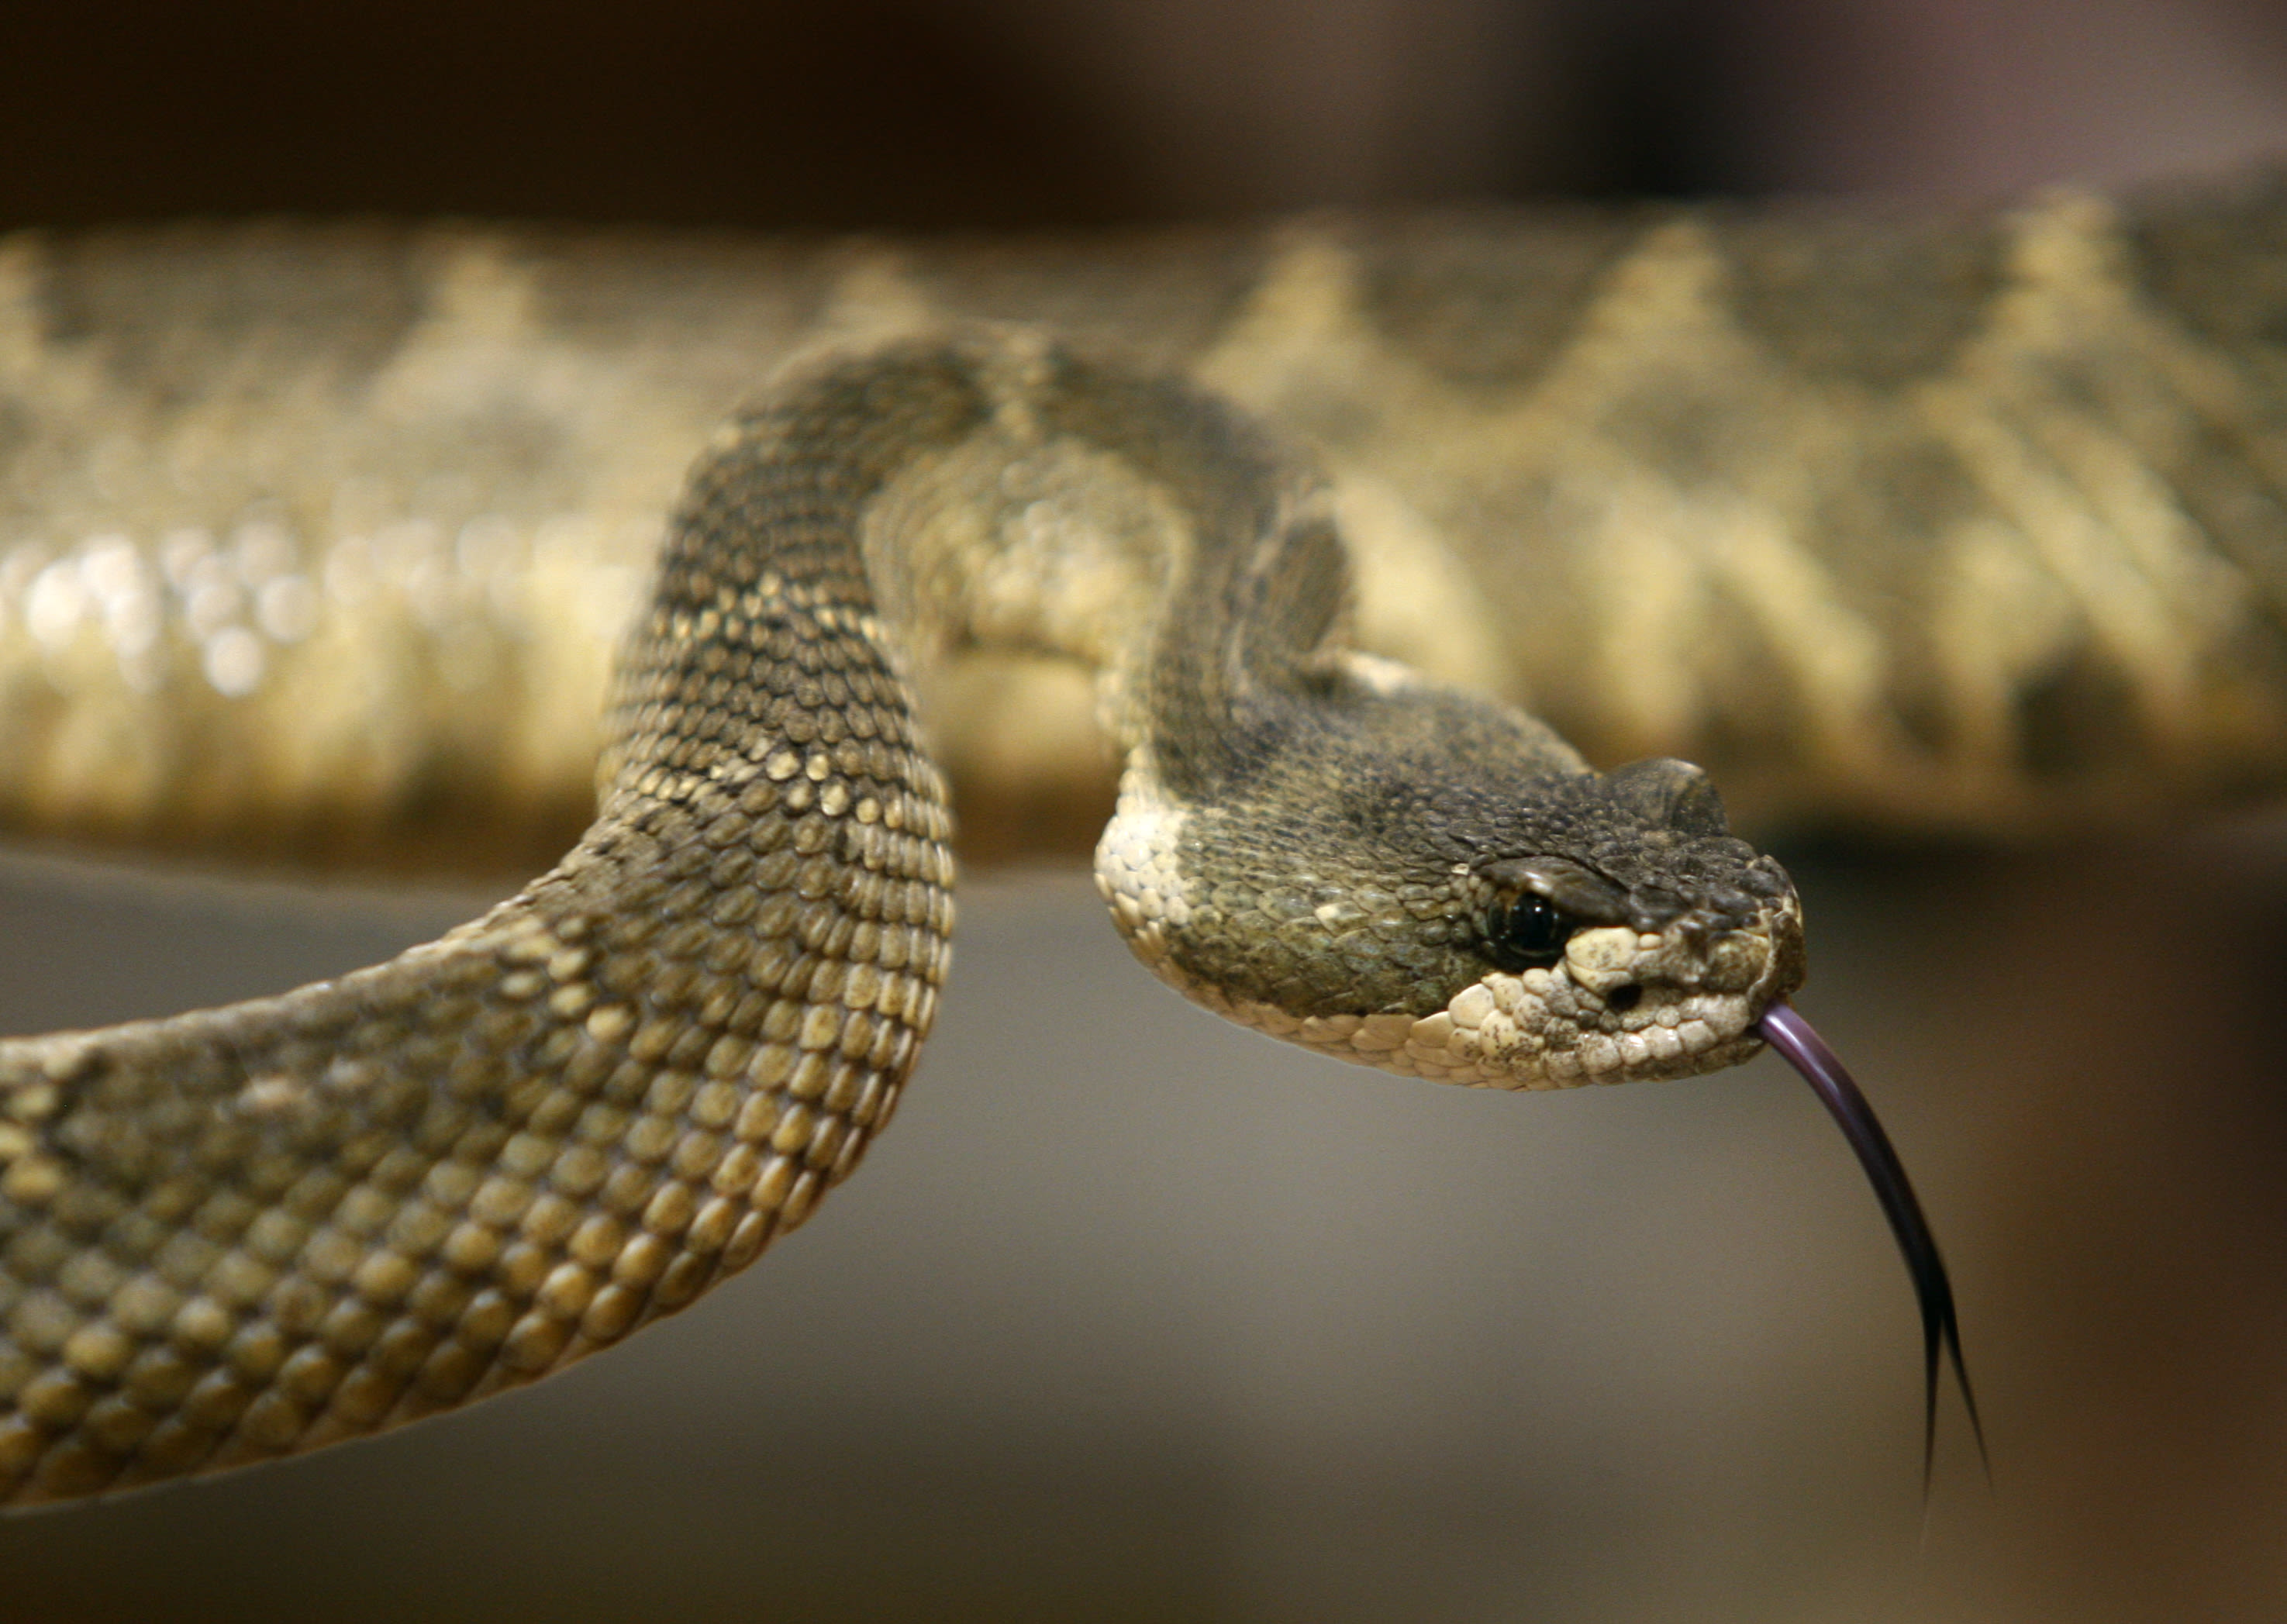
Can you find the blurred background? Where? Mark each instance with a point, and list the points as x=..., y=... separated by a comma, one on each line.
x=1173, y=1323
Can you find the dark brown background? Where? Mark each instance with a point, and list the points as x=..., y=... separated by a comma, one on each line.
x=1001, y=113
x=1134, y=1317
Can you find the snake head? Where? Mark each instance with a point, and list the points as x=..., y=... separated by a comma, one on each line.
x=1632, y=937
x=1544, y=930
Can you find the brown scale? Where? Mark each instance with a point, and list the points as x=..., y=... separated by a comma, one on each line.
x=1961, y=525
x=248, y=1233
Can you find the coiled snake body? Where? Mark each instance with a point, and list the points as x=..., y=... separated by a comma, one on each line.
x=259, y=1228
x=250, y=1231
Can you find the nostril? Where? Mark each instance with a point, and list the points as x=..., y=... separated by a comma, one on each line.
x=1620, y=999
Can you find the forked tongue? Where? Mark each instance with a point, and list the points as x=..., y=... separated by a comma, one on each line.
x=1791, y=1035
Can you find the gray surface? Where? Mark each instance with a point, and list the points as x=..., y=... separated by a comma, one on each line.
x=1193, y=1326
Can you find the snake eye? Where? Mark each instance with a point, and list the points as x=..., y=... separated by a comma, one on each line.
x=1527, y=932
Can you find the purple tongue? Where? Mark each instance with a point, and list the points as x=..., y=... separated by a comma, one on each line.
x=1791, y=1035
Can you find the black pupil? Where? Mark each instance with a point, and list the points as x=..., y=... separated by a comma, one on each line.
x=1527, y=933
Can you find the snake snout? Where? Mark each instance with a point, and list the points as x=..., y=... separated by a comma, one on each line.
x=1620, y=1005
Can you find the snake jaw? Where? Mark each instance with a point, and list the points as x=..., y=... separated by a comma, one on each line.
x=1665, y=978
x=1620, y=1006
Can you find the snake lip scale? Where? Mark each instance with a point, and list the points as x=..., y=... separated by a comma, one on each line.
x=243, y=1233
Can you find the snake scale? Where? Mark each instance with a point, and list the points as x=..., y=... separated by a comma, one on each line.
x=317, y=538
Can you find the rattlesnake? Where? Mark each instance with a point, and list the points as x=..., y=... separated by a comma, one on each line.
x=320, y=1213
